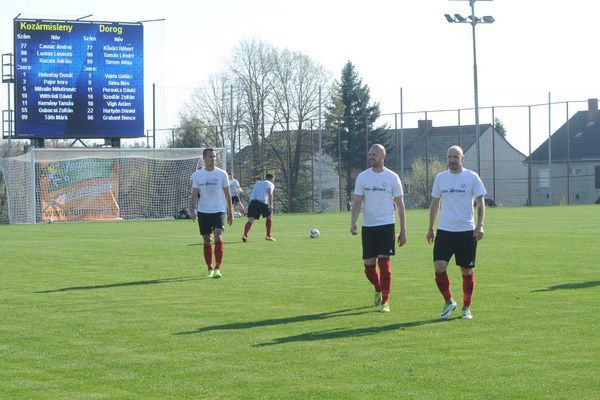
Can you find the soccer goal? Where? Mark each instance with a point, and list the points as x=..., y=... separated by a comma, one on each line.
x=61, y=185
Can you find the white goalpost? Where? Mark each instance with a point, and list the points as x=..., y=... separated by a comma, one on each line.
x=65, y=185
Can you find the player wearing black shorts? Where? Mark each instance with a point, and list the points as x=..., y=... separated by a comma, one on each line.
x=378, y=191
x=235, y=189
x=210, y=203
x=261, y=204
x=457, y=235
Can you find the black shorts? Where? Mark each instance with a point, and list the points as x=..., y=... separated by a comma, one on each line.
x=235, y=199
x=208, y=222
x=257, y=208
x=378, y=241
x=460, y=244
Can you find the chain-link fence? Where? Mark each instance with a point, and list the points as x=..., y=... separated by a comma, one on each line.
x=533, y=154
x=537, y=154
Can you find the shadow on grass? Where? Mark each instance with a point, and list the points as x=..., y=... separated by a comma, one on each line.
x=120, y=284
x=578, y=285
x=346, y=333
x=280, y=321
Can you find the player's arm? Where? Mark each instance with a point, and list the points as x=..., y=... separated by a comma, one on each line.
x=356, y=206
x=399, y=203
x=478, y=232
x=229, y=205
x=194, y=196
x=433, y=213
x=270, y=198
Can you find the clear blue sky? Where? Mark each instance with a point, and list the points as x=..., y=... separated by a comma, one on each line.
x=534, y=47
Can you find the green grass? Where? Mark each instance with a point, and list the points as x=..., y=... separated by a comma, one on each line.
x=125, y=311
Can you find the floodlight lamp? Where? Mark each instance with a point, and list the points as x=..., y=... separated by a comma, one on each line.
x=449, y=18
x=474, y=19
x=488, y=19
x=459, y=18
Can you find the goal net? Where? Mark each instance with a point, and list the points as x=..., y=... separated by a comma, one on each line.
x=61, y=185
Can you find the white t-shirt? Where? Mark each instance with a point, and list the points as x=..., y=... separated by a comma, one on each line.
x=259, y=191
x=457, y=193
x=234, y=186
x=378, y=190
x=210, y=185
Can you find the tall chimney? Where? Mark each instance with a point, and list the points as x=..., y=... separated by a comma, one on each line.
x=592, y=110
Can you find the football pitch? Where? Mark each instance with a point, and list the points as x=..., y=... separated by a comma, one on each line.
x=124, y=310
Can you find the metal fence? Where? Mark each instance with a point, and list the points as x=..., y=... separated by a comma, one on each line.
x=527, y=155
x=537, y=161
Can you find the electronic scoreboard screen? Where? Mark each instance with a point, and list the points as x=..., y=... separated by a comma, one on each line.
x=76, y=79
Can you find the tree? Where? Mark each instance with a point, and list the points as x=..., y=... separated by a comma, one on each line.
x=499, y=127
x=419, y=180
x=192, y=132
x=203, y=123
x=252, y=66
x=295, y=100
x=351, y=116
x=269, y=96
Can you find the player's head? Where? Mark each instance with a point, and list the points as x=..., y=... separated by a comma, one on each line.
x=455, y=158
x=270, y=177
x=209, y=157
x=376, y=155
x=231, y=175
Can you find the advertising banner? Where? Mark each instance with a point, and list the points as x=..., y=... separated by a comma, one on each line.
x=79, y=190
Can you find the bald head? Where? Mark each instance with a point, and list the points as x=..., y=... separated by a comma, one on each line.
x=377, y=148
x=376, y=156
x=455, y=159
x=456, y=150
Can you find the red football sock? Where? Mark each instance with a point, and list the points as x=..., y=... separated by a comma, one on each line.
x=385, y=268
x=247, y=228
x=219, y=250
x=443, y=284
x=208, y=255
x=268, y=224
x=468, y=287
x=373, y=277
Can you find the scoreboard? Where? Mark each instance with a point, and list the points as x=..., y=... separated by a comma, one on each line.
x=78, y=79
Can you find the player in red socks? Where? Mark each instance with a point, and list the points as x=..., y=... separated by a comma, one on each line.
x=454, y=191
x=210, y=202
x=261, y=204
x=378, y=191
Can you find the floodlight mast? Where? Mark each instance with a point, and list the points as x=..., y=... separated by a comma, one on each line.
x=473, y=21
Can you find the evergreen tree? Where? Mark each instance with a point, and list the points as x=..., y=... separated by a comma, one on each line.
x=350, y=120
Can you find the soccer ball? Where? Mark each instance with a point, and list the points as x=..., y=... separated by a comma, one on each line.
x=237, y=214
x=314, y=233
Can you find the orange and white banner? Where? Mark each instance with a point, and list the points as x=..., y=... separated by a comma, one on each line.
x=79, y=190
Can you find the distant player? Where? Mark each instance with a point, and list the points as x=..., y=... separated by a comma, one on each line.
x=379, y=192
x=261, y=203
x=235, y=189
x=453, y=192
x=210, y=202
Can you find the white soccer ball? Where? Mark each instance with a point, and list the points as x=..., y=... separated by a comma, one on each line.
x=314, y=233
x=237, y=214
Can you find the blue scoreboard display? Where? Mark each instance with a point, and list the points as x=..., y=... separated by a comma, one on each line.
x=76, y=79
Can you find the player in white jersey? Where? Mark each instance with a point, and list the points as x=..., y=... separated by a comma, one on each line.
x=379, y=192
x=261, y=204
x=453, y=192
x=210, y=202
x=235, y=189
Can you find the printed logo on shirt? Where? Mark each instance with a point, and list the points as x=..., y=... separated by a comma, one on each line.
x=210, y=182
x=375, y=189
x=453, y=190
